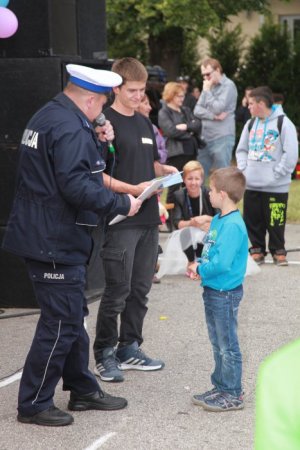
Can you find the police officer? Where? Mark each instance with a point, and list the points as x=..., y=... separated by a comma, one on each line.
x=60, y=196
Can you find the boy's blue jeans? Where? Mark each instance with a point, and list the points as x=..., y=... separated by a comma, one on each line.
x=221, y=311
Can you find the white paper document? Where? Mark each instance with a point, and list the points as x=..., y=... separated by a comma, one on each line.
x=156, y=184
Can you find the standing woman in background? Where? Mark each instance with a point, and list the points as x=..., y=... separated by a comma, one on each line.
x=181, y=129
x=145, y=109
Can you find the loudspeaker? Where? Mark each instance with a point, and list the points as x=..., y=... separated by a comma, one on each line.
x=25, y=85
x=57, y=28
x=91, y=29
x=16, y=288
x=8, y=167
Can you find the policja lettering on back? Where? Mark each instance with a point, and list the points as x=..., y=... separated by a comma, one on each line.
x=30, y=138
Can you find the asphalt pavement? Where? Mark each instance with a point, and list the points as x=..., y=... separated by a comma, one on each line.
x=160, y=415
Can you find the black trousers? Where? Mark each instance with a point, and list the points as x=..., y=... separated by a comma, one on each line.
x=192, y=253
x=129, y=259
x=266, y=212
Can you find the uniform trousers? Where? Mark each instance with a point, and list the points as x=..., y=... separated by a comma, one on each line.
x=60, y=347
x=129, y=259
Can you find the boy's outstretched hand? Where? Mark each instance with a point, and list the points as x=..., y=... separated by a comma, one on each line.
x=193, y=267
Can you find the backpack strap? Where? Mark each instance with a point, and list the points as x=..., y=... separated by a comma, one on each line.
x=251, y=123
x=280, y=122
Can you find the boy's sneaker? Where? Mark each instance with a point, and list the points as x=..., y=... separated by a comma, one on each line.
x=259, y=258
x=223, y=402
x=132, y=357
x=107, y=368
x=280, y=260
x=199, y=399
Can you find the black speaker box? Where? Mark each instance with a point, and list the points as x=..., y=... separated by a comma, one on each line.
x=16, y=288
x=8, y=167
x=26, y=84
x=57, y=28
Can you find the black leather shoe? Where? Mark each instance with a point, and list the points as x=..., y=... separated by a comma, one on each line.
x=96, y=400
x=51, y=417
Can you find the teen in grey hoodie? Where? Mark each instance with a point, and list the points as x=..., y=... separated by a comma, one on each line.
x=267, y=154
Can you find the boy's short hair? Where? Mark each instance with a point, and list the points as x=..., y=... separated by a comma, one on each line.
x=191, y=166
x=264, y=94
x=130, y=69
x=230, y=180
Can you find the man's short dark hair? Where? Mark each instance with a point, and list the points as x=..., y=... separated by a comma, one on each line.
x=264, y=94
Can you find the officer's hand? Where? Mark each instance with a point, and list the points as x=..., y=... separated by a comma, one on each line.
x=135, y=205
x=106, y=132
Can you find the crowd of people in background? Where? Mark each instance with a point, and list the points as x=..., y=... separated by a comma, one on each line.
x=209, y=126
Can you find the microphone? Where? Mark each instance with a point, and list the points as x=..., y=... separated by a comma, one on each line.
x=100, y=121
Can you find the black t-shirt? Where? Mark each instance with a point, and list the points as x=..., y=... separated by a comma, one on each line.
x=136, y=151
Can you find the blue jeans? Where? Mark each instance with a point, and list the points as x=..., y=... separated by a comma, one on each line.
x=221, y=311
x=216, y=154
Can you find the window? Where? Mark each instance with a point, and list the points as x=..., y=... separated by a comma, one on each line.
x=292, y=24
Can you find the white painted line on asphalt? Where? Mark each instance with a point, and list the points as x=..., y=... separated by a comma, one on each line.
x=97, y=444
x=11, y=379
x=296, y=263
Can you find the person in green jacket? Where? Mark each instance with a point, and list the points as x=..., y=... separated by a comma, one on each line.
x=278, y=400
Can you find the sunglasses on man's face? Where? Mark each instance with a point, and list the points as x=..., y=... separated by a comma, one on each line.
x=207, y=74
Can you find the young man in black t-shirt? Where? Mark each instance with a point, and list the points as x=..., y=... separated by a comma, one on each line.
x=130, y=249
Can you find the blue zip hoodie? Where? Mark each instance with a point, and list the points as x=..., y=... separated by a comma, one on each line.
x=225, y=253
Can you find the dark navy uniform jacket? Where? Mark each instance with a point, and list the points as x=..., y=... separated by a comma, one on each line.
x=60, y=194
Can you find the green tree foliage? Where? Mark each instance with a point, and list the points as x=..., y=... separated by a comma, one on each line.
x=292, y=89
x=268, y=60
x=272, y=59
x=163, y=31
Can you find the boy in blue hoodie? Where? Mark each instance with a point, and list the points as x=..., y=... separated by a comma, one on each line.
x=222, y=269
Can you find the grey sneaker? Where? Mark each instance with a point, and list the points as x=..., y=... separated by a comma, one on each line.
x=280, y=260
x=132, y=357
x=199, y=399
x=107, y=367
x=223, y=402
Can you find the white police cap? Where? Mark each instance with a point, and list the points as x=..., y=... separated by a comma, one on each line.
x=94, y=80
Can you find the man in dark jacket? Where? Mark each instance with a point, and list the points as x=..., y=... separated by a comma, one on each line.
x=60, y=196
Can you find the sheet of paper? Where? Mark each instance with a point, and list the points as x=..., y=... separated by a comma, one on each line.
x=170, y=180
x=117, y=219
x=156, y=184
